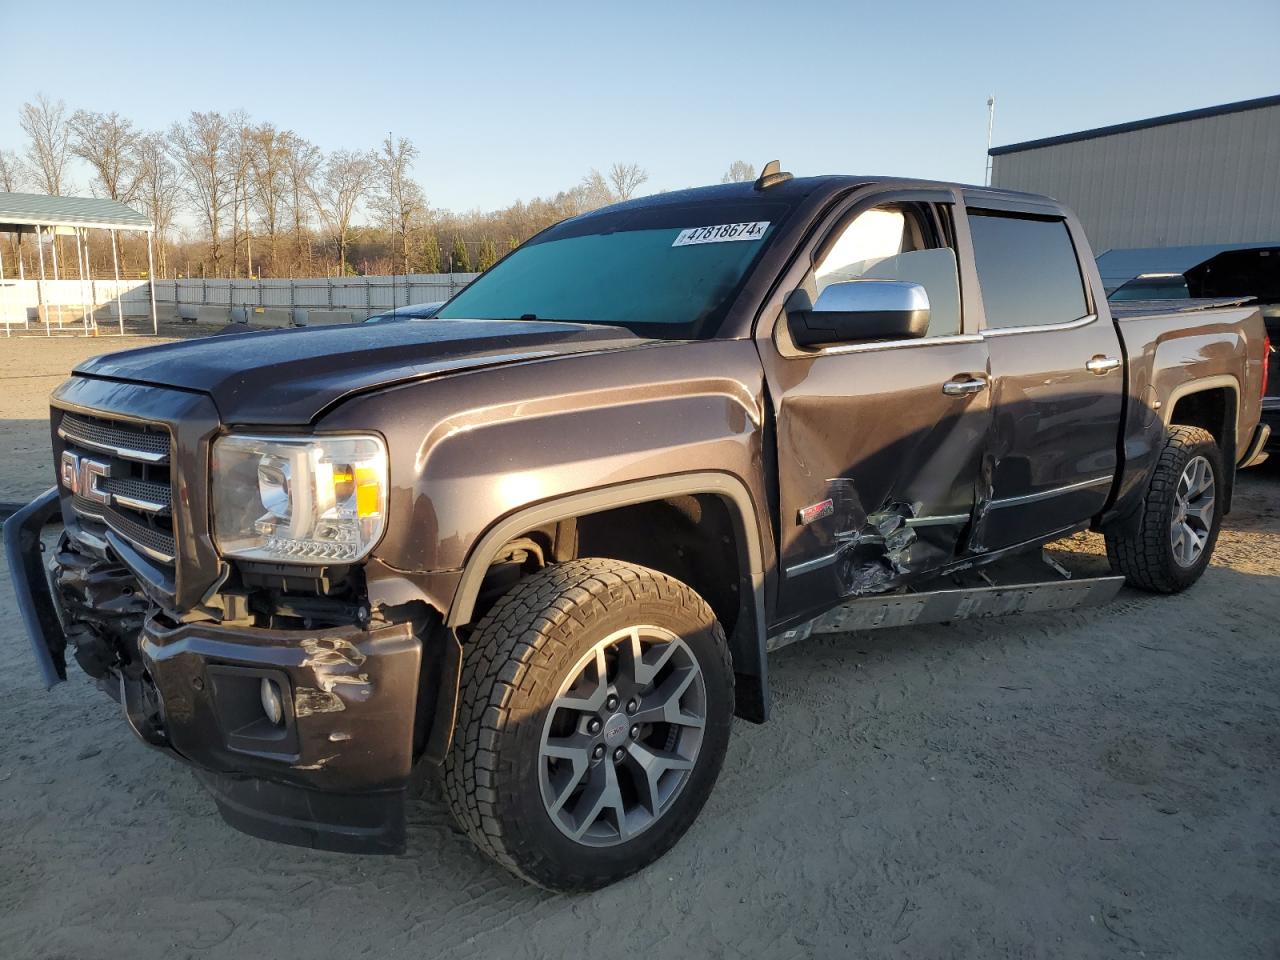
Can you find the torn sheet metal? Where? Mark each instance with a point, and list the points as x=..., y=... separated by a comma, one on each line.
x=873, y=558
x=336, y=663
x=873, y=550
x=308, y=701
x=984, y=494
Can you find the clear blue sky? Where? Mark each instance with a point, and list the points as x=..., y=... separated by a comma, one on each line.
x=510, y=100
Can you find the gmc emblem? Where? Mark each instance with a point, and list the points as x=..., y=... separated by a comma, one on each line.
x=80, y=476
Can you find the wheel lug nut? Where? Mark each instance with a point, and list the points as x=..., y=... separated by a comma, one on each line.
x=632, y=706
x=594, y=725
x=635, y=732
x=598, y=752
x=611, y=702
x=618, y=755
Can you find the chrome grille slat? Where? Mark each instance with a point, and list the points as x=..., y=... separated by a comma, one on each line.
x=155, y=543
x=142, y=495
x=133, y=477
x=126, y=441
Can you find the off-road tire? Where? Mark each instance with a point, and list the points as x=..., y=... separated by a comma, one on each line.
x=513, y=665
x=1145, y=554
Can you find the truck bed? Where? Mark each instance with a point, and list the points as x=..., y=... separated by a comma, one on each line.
x=1129, y=309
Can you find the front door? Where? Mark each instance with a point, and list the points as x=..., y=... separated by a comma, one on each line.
x=879, y=444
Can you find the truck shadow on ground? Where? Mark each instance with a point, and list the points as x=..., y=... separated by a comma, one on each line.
x=903, y=766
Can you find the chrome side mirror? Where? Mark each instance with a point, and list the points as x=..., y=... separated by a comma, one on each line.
x=858, y=310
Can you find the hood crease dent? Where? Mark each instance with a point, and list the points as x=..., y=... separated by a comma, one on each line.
x=291, y=377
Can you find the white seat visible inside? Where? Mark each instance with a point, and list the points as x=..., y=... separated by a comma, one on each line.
x=884, y=244
x=936, y=271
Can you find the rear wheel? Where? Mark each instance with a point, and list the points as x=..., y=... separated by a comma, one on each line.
x=1173, y=542
x=594, y=717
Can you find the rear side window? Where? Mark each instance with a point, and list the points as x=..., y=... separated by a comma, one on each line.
x=1027, y=269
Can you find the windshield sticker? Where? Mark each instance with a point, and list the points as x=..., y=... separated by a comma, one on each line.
x=721, y=233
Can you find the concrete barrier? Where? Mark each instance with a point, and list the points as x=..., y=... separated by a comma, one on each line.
x=271, y=317
x=327, y=318
x=165, y=313
x=219, y=315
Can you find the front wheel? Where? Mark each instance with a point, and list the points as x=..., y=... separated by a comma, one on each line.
x=593, y=720
x=1171, y=545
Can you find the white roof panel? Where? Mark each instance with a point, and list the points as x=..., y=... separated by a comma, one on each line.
x=36, y=209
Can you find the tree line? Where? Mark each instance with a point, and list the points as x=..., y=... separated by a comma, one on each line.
x=266, y=202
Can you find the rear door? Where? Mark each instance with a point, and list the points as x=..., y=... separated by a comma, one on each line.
x=1057, y=374
x=877, y=456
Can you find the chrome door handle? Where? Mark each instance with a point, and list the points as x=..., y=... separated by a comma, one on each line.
x=1102, y=365
x=963, y=388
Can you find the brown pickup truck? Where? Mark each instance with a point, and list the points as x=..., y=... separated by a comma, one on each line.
x=540, y=545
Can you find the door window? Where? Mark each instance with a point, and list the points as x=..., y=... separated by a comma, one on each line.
x=1027, y=269
x=896, y=242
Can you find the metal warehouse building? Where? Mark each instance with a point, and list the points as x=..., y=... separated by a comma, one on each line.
x=1208, y=176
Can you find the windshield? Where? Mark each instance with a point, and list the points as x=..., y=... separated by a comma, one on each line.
x=670, y=271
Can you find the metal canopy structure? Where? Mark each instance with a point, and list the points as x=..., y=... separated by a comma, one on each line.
x=46, y=216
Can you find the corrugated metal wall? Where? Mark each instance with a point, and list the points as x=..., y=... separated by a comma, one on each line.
x=1209, y=180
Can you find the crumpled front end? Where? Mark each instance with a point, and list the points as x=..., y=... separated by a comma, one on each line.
x=302, y=705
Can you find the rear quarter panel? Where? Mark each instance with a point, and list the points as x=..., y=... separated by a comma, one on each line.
x=1171, y=355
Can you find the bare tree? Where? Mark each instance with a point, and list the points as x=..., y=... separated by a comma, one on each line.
x=239, y=156
x=12, y=176
x=269, y=181
x=12, y=180
x=302, y=168
x=200, y=147
x=346, y=180
x=626, y=178
x=739, y=172
x=107, y=142
x=158, y=190
x=594, y=191
x=399, y=201
x=45, y=123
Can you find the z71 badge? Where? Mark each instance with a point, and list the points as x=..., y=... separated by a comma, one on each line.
x=816, y=511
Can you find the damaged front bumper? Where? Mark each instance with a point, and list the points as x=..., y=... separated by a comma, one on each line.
x=334, y=771
x=24, y=555
x=331, y=771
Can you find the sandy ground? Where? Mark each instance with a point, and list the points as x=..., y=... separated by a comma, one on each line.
x=1103, y=783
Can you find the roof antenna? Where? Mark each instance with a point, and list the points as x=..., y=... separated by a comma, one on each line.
x=771, y=176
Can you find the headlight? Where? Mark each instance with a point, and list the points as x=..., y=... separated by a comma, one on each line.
x=299, y=499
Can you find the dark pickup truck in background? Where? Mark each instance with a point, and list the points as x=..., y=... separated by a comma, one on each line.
x=540, y=545
x=1206, y=272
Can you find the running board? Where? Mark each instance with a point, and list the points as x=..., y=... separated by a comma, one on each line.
x=964, y=603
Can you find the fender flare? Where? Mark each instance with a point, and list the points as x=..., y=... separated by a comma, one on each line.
x=1231, y=444
x=748, y=641
x=1202, y=385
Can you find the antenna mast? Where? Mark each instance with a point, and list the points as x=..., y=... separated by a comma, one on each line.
x=991, y=122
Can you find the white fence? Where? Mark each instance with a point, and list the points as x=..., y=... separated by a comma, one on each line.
x=270, y=302
x=67, y=301
x=359, y=294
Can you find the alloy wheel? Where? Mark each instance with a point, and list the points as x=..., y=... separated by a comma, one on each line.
x=622, y=736
x=1192, y=518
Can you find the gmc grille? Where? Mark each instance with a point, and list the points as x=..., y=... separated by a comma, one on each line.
x=137, y=485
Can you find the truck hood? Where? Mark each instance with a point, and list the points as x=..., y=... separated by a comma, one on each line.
x=292, y=376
